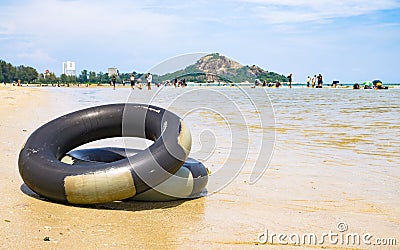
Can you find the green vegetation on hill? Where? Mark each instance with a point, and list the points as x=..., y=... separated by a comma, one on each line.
x=216, y=64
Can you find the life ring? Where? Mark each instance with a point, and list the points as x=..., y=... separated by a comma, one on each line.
x=98, y=182
x=188, y=182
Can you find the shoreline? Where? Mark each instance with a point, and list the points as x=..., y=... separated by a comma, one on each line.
x=202, y=85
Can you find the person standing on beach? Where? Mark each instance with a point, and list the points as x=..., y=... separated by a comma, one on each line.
x=308, y=81
x=113, y=80
x=149, y=79
x=290, y=77
x=320, y=81
x=313, y=80
x=132, y=79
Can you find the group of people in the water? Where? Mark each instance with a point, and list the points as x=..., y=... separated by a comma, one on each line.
x=376, y=84
x=133, y=80
x=276, y=84
x=149, y=81
x=315, y=82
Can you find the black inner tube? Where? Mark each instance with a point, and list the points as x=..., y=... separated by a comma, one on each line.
x=43, y=172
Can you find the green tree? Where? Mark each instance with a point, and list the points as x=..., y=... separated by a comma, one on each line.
x=124, y=76
x=92, y=77
x=99, y=77
x=1, y=75
x=50, y=78
x=71, y=79
x=103, y=78
x=26, y=74
x=83, y=77
x=40, y=78
x=64, y=78
x=8, y=71
x=32, y=74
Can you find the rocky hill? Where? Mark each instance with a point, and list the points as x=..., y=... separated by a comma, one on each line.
x=216, y=64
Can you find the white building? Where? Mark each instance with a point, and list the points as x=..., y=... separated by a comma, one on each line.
x=69, y=68
x=112, y=71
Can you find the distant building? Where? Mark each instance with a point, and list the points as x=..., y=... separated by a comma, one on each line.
x=69, y=68
x=46, y=73
x=112, y=71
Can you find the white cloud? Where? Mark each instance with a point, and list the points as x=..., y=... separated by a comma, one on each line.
x=37, y=56
x=134, y=35
x=177, y=62
x=6, y=28
x=90, y=31
x=88, y=18
x=291, y=11
x=57, y=25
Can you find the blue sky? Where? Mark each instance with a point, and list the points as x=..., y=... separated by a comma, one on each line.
x=347, y=40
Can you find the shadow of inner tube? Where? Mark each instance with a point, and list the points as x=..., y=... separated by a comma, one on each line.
x=99, y=182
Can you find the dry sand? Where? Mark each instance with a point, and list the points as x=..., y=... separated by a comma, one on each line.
x=285, y=200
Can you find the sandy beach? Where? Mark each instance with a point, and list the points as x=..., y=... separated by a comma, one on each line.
x=316, y=180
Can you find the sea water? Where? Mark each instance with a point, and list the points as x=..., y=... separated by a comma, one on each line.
x=248, y=130
x=363, y=122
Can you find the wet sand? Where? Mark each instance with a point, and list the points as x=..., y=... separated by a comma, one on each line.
x=301, y=192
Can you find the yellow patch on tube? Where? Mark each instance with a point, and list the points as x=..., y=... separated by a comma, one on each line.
x=100, y=187
x=185, y=138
